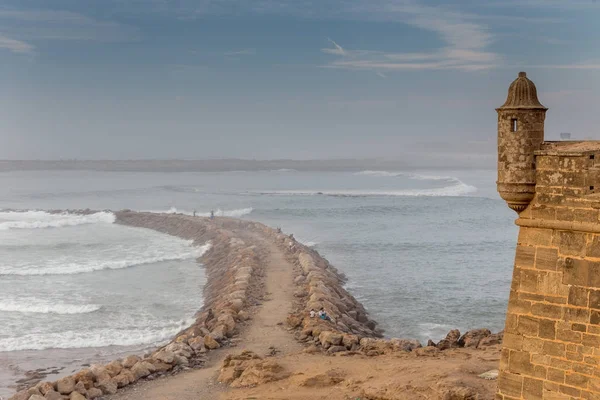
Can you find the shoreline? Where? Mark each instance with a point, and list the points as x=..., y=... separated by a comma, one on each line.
x=234, y=289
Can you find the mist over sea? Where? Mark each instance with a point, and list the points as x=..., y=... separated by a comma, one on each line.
x=425, y=251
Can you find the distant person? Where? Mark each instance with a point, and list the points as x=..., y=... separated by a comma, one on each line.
x=323, y=315
x=194, y=213
x=312, y=313
x=212, y=214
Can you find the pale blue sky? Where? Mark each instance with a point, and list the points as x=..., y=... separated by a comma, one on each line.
x=286, y=78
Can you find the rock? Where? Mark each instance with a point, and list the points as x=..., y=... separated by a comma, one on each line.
x=473, y=337
x=427, y=351
x=451, y=340
x=34, y=397
x=45, y=387
x=108, y=386
x=94, y=393
x=311, y=349
x=162, y=367
x=229, y=375
x=77, y=396
x=405, y=344
x=210, y=342
x=197, y=344
x=336, y=349
x=65, y=385
x=260, y=372
x=142, y=369
x=460, y=393
x=114, y=368
x=243, y=315
x=32, y=391
x=431, y=343
x=181, y=360
x=490, y=375
x=294, y=321
x=181, y=349
x=330, y=338
x=53, y=395
x=330, y=378
x=219, y=333
x=228, y=321
x=23, y=395
x=80, y=388
x=237, y=305
x=350, y=340
x=164, y=356
x=130, y=361
x=123, y=379
x=100, y=373
x=86, y=377
x=490, y=340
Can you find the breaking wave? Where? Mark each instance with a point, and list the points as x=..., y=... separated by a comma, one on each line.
x=458, y=189
x=95, y=338
x=42, y=219
x=40, y=307
x=91, y=265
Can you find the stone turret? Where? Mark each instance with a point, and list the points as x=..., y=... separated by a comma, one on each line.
x=520, y=134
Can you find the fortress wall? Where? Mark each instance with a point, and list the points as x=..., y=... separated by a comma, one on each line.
x=551, y=346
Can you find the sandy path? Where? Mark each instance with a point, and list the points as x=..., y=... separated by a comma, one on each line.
x=266, y=331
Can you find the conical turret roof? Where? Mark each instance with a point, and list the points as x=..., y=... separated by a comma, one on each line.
x=522, y=94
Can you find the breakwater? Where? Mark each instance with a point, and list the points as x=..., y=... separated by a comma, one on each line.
x=234, y=288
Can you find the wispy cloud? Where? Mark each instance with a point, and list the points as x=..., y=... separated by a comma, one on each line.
x=64, y=25
x=381, y=75
x=463, y=46
x=243, y=52
x=15, y=46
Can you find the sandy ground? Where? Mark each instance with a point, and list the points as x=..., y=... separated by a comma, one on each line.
x=265, y=335
x=411, y=376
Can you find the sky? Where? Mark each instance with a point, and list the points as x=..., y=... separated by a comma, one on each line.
x=272, y=79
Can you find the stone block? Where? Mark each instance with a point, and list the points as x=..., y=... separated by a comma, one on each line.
x=510, y=384
x=529, y=281
x=593, y=247
x=594, y=274
x=518, y=306
x=546, y=258
x=591, y=340
x=554, y=349
x=578, y=327
x=525, y=256
x=533, y=345
x=571, y=391
x=535, y=237
x=556, y=375
x=547, y=329
x=574, y=356
x=570, y=243
x=585, y=215
x=568, y=336
x=512, y=341
x=550, y=283
x=550, y=311
x=533, y=388
x=520, y=362
x=581, y=315
x=528, y=326
x=578, y=296
x=576, y=272
x=595, y=317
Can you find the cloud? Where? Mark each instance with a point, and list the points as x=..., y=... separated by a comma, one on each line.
x=381, y=75
x=243, y=52
x=15, y=46
x=464, y=42
x=64, y=25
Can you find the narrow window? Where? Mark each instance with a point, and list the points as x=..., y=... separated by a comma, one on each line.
x=592, y=157
x=591, y=188
x=513, y=125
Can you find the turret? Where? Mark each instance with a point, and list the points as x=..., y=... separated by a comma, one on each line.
x=520, y=134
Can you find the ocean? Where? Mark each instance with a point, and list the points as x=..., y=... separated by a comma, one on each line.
x=424, y=251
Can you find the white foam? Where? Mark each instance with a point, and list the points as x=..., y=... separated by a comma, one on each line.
x=459, y=189
x=41, y=219
x=219, y=213
x=37, y=306
x=91, y=265
x=95, y=338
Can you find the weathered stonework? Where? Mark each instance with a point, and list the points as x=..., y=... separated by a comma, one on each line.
x=551, y=346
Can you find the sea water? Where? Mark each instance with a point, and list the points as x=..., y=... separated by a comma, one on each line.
x=424, y=251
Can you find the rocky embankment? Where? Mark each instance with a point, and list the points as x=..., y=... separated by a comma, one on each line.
x=234, y=288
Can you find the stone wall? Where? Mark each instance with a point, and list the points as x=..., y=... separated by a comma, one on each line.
x=551, y=346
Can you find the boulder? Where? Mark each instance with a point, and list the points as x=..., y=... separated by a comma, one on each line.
x=53, y=395
x=35, y=397
x=330, y=378
x=260, y=372
x=65, y=385
x=94, y=393
x=80, y=388
x=23, y=395
x=210, y=342
x=473, y=337
x=328, y=338
x=164, y=356
x=197, y=344
x=45, y=387
x=336, y=349
x=86, y=377
x=130, y=361
x=123, y=379
x=162, y=367
x=100, y=373
x=114, y=368
x=181, y=360
x=31, y=391
x=490, y=340
x=405, y=344
x=237, y=305
x=218, y=333
x=243, y=315
x=349, y=340
x=460, y=393
x=77, y=396
x=181, y=349
x=108, y=386
x=141, y=369
x=451, y=340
